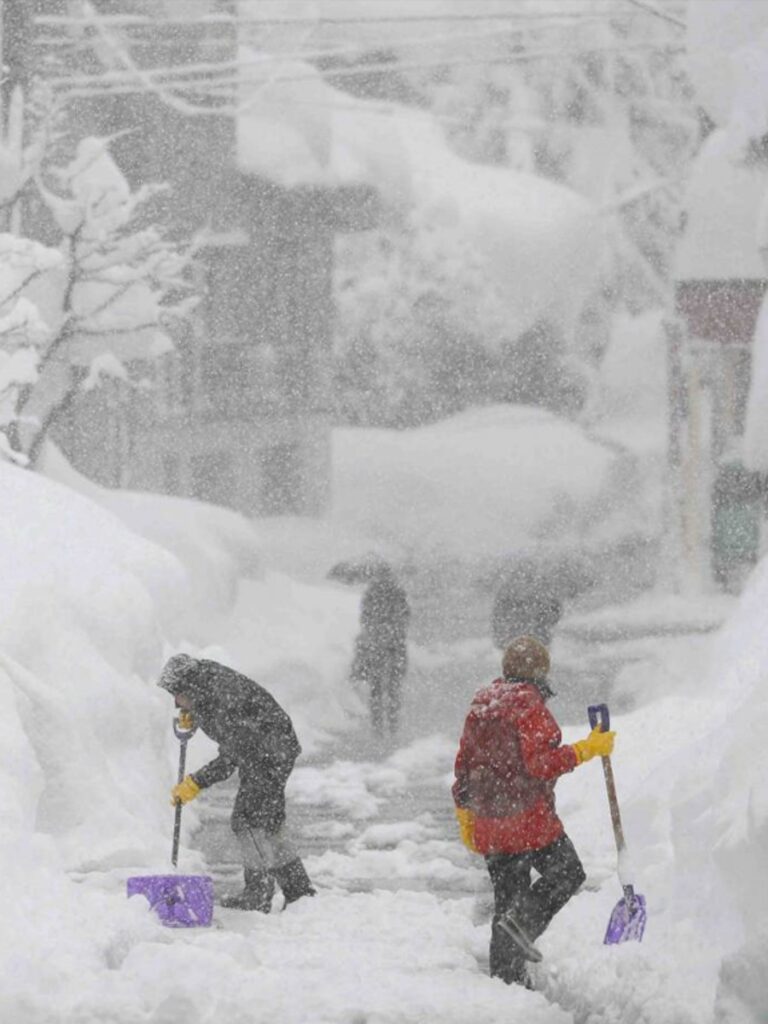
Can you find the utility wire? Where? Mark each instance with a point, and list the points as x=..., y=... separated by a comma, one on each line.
x=657, y=12
x=129, y=21
x=215, y=71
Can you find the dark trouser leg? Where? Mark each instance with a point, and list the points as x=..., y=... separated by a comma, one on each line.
x=532, y=906
x=394, y=691
x=561, y=876
x=293, y=880
x=257, y=893
x=259, y=806
x=377, y=703
x=511, y=879
x=258, y=821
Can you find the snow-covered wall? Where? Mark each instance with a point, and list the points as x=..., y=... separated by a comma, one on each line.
x=89, y=608
x=215, y=546
x=701, y=806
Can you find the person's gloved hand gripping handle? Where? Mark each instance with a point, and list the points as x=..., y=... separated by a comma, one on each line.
x=184, y=791
x=597, y=744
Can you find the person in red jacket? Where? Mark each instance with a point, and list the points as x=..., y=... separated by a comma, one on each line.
x=510, y=757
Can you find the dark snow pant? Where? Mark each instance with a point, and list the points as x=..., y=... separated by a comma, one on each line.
x=258, y=821
x=385, y=681
x=385, y=704
x=260, y=800
x=532, y=906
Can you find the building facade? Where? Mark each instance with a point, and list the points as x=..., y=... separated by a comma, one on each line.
x=239, y=413
x=719, y=291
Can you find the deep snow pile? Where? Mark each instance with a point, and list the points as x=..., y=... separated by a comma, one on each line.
x=691, y=768
x=721, y=806
x=88, y=610
x=87, y=757
x=481, y=484
x=215, y=546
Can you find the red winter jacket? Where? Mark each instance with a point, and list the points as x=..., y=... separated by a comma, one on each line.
x=509, y=759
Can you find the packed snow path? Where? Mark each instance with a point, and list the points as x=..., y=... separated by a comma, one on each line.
x=355, y=826
x=403, y=910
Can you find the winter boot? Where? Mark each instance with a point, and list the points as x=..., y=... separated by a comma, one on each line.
x=512, y=929
x=294, y=881
x=257, y=894
x=514, y=972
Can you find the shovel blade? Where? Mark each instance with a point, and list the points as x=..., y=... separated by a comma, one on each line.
x=627, y=921
x=180, y=901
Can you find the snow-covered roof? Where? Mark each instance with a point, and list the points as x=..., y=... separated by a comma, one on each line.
x=726, y=43
x=540, y=239
x=722, y=204
x=478, y=485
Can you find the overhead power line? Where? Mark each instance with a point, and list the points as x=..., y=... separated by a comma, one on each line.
x=128, y=20
x=231, y=68
x=657, y=12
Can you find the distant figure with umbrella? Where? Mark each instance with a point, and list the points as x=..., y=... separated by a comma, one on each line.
x=381, y=655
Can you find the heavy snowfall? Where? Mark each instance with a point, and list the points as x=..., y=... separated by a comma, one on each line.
x=314, y=309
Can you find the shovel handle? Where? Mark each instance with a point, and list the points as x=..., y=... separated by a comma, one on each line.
x=183, y=736
x=599, y=715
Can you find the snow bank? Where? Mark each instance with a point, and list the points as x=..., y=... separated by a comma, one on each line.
x=739, y=815
x=88, y=610
x=481, y=484
x=540, y=240
x=85, y=759
x=215, y=546
x=691, y=768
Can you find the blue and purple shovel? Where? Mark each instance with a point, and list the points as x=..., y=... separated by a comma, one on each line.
x=180, y=901
x=629, y=915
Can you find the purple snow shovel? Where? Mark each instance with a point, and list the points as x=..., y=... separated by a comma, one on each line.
x=628, y=918
x=180, y=901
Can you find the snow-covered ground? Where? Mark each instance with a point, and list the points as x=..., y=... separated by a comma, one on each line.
x=87, y=759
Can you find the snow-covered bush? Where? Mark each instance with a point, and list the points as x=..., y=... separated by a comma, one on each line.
x=99, y=304
x=23, y=332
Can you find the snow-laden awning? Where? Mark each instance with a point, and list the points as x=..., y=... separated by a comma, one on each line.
x=722, y=202
x=540, y=239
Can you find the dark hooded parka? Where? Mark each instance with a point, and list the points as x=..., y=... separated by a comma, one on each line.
x=255, y=735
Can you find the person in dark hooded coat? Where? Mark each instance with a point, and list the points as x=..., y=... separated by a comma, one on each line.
x=255, y=737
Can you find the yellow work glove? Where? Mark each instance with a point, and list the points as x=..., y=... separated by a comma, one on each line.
x=466, y=820
x=186, y=721
x=597, y=744
x=185, y=791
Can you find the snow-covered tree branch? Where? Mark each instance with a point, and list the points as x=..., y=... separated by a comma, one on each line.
x=106, y=297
